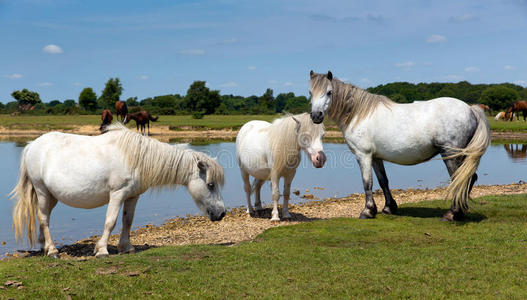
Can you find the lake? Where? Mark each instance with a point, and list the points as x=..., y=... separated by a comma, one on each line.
x=502, y=164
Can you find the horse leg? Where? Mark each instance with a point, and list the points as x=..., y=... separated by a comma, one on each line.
x=452, y=164
x=124, y=245
x=148, y=126
x=390, y=206
x=247, y=188
x=46, y=203
x=287, y=193
x=112, y=212
x=275, y=180
x=365, y=163
x=257, y=189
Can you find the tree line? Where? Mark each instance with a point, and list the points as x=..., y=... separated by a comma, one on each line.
x=200, y=100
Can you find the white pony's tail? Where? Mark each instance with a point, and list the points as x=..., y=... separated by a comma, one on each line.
x=459, y=188
x=25, y=212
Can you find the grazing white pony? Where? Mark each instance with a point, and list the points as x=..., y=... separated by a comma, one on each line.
x=504, y=116
x=377, y=129
x=114, y=168
x=269, y=151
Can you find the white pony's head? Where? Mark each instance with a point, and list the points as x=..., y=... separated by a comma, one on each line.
x=309, y=137
x=204, y=187
x=321, y=92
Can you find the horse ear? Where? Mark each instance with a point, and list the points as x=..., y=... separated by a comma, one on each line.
x=297, y=126
x=330, y=75
x=311, y=73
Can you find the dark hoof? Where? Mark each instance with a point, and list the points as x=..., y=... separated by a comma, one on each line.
x=390, y=210
x=453, y=216
x=368, y=213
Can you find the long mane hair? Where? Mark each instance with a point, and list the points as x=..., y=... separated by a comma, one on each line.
x=285, y=139
x=159, y=164
x=348, y=101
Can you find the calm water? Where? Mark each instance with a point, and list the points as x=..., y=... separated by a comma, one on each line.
x=502, y=164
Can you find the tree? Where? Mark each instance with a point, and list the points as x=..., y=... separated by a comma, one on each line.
x=266, y=102
x=281, y=100
x=297, y=105
x=132, y=101
x=69, y=103
x=88, y=99
x=498, y=97
x=26, y=99
x=111, y=93
x=200, y=99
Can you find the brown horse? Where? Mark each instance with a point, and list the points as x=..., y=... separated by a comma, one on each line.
x=140, y=118
x=485, y=108
x=516, y=107
x=106, y=118
x=121, y=109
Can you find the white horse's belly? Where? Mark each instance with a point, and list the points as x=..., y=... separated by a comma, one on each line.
x=405, y=155
x=71, y=193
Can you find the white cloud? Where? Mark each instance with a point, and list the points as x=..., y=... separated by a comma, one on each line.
x=52, y=49
x=471, y=69
x=229, y=84
x=508, y=68
x=143, y=77
x=272, y=81
x=14, y=76
x=77, y=83
x=365, y=81
x=192, y=52
x=405, y=65
x=230, y=41
x=436, y=38
x=288, y=83
x=462, y=18
x=251, y=68
x=42, y=84
x=521, y=82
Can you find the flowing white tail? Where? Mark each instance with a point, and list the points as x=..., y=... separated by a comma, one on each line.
x=25, y=212
x=459, y=188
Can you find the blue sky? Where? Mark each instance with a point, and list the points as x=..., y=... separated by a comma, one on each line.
x=59, y=47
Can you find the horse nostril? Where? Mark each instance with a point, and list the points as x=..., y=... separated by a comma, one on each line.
x=221, y=216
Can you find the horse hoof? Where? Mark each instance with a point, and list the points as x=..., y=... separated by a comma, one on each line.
x=389, y=210
x=448, y=216
x=102, y=255
x=54, y=255
x=368, y=213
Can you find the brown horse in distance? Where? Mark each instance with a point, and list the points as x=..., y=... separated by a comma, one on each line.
x=485, y=108
x=516, y=107
x=121, y=110
x=106, y=118
x=141, y=118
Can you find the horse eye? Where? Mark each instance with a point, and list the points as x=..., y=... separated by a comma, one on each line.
x=329, y=93
x=210, y=186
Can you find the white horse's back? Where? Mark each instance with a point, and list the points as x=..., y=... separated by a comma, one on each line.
x=60, y=161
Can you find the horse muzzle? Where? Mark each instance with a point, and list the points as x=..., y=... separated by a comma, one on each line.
x=318, y=159
x=216, y=216
x=317, y=117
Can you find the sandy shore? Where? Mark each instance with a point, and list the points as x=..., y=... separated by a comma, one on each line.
x=163, y=133
x=237, y=226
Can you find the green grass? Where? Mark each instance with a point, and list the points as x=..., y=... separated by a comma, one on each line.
x=413, y=254
x=26, y=122
x=507, y=126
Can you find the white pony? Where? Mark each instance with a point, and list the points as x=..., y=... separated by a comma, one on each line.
x=270, y=151
x=378, y=129
x=114, y=168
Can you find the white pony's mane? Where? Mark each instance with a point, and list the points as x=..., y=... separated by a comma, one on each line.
x=348, y=101
x=284, y=139
x=161, y=164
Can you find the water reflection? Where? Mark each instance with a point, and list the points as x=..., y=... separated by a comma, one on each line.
x=517, y=152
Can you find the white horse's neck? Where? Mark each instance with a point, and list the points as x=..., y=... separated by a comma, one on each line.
x=351, y=102
x=283, y=140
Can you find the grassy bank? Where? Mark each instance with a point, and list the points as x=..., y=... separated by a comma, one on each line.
x=25, y=122
x=413, y=254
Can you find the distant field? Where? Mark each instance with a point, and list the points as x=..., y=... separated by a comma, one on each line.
x=409, y=255
x=180, y=122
